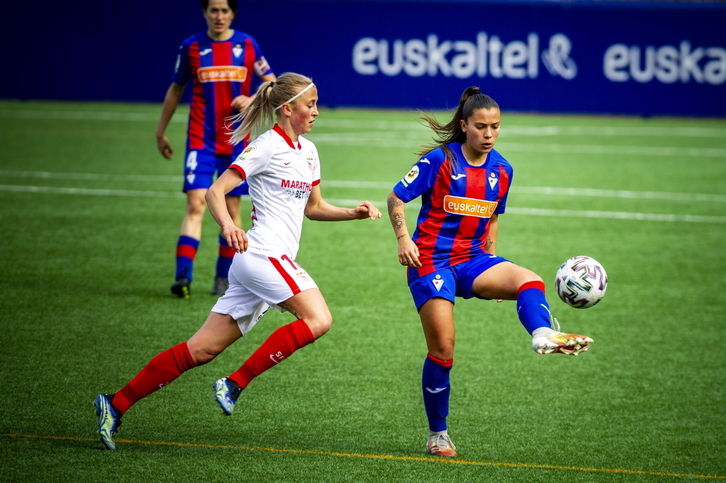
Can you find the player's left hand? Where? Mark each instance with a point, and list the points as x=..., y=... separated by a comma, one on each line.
x=367, y=210
x=240, y=103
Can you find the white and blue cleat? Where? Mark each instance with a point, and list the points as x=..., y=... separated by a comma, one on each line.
x=226, y=393
x=108, y=420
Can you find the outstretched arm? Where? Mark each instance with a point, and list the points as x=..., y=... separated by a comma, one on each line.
x=320, y=210
x=407, y=249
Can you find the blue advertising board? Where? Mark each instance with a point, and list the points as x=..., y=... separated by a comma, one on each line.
x=641, y=58
x=645, y=60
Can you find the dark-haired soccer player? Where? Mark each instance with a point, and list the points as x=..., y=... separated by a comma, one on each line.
x=220, y=63
x=463, y=184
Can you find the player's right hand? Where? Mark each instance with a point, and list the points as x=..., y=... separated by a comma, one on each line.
x=236, y=238
x=408, y=253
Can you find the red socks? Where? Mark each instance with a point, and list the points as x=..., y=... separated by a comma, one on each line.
x=279, y=346
x=159, y=372
x=171, y=363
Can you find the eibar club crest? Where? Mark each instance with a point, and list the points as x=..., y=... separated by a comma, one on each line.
x=492, y=180
x=438, y=282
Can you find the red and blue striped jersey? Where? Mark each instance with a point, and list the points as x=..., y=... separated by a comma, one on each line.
x=457, y=203
x=220, y=71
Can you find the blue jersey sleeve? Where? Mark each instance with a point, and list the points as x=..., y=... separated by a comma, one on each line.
x=421, y=177
x=182, y=69
x=261, y=66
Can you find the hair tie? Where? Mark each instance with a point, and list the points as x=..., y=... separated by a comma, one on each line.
x=272, y=83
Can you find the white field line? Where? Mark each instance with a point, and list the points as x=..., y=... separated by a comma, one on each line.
x=151, y=178
x=645, y=131
x=538, y=190
x=409, y=140
x=381, y=204
x=92, y=191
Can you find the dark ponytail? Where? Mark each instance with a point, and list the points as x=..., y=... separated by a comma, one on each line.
x=471, y=100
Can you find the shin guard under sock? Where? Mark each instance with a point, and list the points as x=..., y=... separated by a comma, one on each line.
x=186, y=250
x=224, y=260
x=279, y=346
x=532, y=307
x=436, y=391
x=159, y=372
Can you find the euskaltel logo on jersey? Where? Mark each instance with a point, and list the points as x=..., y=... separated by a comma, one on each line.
x=469, y=206
x=222, y=73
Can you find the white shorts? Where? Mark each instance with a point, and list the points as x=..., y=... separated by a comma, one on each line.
x=258, y=281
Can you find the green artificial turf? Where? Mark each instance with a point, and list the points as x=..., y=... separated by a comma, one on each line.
x=89, y=217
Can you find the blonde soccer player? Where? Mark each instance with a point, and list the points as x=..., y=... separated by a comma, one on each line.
x=282, y=169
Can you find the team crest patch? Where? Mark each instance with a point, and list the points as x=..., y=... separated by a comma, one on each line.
x=411, y=176
x=438, y=282
x=262, y=67
x=492, y=180
x=237, y=50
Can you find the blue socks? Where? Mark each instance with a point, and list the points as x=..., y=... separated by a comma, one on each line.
x=532, y=307
x=224, y=260
x=186, y=250
x=436, y=391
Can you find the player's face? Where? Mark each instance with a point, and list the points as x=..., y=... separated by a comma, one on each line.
x=304, y=111
x=219, y=17
x=482, y=129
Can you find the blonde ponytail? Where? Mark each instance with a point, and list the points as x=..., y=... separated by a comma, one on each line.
x=261, y=113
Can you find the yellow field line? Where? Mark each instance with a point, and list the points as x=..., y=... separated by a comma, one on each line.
x=373, y=456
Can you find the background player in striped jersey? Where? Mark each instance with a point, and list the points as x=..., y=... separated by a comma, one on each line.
x=463, y=184
x=283, y=171
x=221, y=63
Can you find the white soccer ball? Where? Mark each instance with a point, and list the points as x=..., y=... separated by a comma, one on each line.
x=581, y=282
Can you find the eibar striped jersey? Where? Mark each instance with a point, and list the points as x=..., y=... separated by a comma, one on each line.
x=457, y=203
x=220, y=71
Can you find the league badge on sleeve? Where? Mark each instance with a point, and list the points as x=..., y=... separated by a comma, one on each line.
x=261, y=66
x=410, y=177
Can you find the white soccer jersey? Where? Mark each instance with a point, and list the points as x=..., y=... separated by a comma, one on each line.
x=280, y=175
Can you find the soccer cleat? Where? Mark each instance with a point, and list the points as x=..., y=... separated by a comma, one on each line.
x=221, y=285
x=554, y=341
x=108, y=420
x=440, y=444
x=226, y=392
x=182, y=288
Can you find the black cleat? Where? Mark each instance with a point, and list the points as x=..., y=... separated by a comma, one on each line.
x=182, y=288
x=221, y=285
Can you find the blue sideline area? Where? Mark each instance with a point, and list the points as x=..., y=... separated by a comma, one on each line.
x=580, y=56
